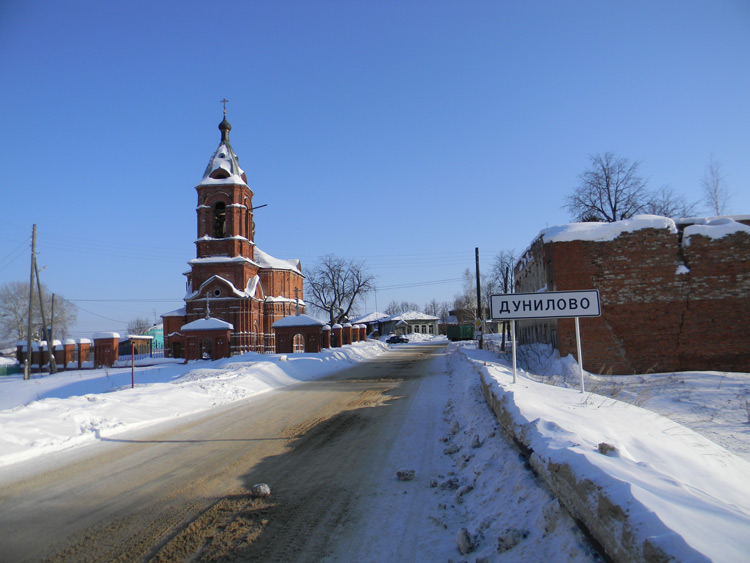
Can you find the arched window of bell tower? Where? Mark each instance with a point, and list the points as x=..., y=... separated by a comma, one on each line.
x=220, y=220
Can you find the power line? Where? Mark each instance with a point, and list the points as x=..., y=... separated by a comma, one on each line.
x=100, y=316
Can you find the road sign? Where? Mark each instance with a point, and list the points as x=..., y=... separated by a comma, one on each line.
x=545, y=305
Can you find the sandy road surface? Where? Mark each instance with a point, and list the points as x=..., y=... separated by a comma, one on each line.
x=182, y=493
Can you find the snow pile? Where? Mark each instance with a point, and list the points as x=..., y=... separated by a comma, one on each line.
x=54, y=412
x=716, y=228
x=674, y=488
x=593, y=231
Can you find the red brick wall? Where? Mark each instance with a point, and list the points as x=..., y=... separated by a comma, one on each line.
x=715, y=329
x=654, y=319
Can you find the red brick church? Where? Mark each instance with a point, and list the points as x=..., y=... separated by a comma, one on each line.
x=235, y=291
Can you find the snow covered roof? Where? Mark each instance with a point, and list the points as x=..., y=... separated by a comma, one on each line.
x=282, y=299
x=265, y=260
x=593, y=231
x=298, y=320
x=208, y=324
x=250, y=290
x=181, y=312
x=219, y=259
x=716, y=228
x=370, y=318
x=234, y=237
x=139, y=337
x=412, y=316
x=224, y=166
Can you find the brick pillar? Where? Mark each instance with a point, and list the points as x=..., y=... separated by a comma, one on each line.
x=336, y=335
x=326, y=336
x=69, y=352
x=105, y=349
x=36, y=356
x=59, y=352
x=84, y=351
x=347, y=333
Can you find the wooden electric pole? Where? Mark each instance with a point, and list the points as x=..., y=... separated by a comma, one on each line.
x=50, y=345
x=27, y=364
x=480, y=319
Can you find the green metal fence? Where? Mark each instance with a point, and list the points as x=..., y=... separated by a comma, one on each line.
x=9, y=369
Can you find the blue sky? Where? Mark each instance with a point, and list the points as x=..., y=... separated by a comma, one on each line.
x=403, y=134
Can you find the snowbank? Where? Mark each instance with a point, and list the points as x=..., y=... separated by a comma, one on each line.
x=644, y=485
x=55, y=412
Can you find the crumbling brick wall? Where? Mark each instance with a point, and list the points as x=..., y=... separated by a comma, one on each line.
x=666, y=306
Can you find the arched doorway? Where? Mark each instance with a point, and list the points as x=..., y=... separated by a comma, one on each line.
x=298, y=343
x=207, y=349
x=177, y=349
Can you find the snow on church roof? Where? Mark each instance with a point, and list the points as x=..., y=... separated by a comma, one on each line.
x=249, y=292
x=265, y=260
x=224, y=166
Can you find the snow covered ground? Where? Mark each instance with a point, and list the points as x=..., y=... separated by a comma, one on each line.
x=682, y=441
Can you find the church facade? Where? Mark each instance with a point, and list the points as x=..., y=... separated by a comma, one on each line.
x=231, y=284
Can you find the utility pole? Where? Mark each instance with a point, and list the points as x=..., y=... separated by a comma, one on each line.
x=52, y=364
x=479, y=303
x=53, y=361
x=27, y=365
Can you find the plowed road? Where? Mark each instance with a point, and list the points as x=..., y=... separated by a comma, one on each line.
x=182, y=492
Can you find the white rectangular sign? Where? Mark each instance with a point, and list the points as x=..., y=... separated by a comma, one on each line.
x=545, y=305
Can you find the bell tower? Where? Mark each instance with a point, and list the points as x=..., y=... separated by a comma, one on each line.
x=225, y=204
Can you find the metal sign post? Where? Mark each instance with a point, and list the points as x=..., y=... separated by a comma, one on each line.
x=546, y=305
x=132, y=364
x=578, y=346
x=513, y=337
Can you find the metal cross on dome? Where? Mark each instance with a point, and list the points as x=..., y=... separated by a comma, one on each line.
x=224, y=101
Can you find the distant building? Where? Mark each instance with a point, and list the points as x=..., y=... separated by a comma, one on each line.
x=674, y=294
x=157, y=331
x=371, y=321
x=230, y=278
x=411, y=322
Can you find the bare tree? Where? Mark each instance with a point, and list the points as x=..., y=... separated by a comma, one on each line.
x=465, y=303
x=432, y=307
x=609, y=191
x=139, y=326
x=444, y=311
x=502, y=270
x=335, y=284
x=14, y=312
x=395, y=307
x=716, y=193
x=439, y=309
x=668, y=204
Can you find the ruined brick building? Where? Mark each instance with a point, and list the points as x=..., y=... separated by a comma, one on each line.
x=235, y=291
x=675, y=295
